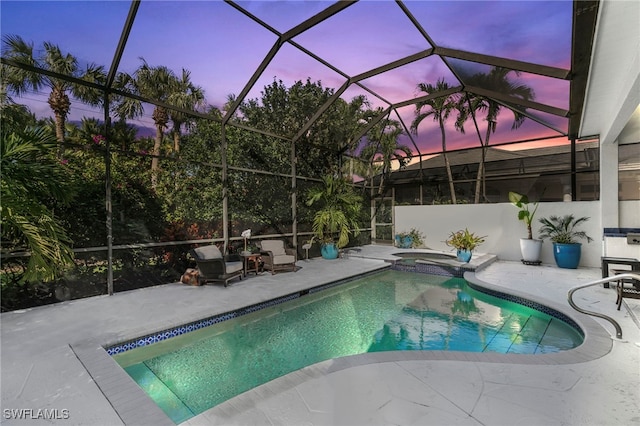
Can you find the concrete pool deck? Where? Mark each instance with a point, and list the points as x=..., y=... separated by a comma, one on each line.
x=51, y=359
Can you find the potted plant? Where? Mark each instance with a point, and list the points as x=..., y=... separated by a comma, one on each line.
x=464, y=242
x=411, y=239
x=529, y=247
x=561, y=230
x=337, y=217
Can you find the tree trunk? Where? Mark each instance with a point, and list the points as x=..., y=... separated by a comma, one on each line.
x=60, y=105
x=452, y=189
x=382, y=178
x=155, y=161
x=176, y=136
x=476, y=198
x=176, y=142
x=160, y=118
x=60, y=122
x=480, y=178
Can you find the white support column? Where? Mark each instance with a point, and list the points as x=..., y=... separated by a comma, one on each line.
x=609, y=184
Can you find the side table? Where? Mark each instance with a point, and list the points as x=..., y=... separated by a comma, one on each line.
x=251, y=263
x=606, y=261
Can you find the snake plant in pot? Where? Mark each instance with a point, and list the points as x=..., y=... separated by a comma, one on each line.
x=561, y=230
x=337, y=216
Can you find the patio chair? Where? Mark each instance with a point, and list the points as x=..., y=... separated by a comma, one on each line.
x=276, y=257
x=213, y=266
x=632, y=288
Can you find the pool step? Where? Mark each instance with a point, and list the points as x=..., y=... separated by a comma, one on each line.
x=518, y=334
x=530, y=336
x=160, y=393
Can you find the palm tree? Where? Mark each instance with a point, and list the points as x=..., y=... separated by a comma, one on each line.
x=30, y=175
x=14, y=115
x=186, y=95
x=121, y=134
x=440, y=108
x=338, y=210
x=20, y=81
x=383, y=147
x=496, y=80
x=154, y=83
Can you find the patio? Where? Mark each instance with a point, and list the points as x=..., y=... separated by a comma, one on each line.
x=199, y=159
x=51, y=360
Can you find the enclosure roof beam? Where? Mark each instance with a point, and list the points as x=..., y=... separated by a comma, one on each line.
x=370, y=125
x=533, y=117
x=509, y=100
x=435, y=95
x=124, y=36
x=252, y=81
x=316, y=19
x=496, y=61
x=321, y=111
x=392, y=65
x=65, y=77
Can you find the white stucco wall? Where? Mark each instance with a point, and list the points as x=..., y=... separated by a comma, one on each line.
x=630, y=214
x=629, y=218
x=499, y=222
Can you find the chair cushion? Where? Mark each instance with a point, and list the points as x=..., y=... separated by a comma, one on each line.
x=208, y=252
x=274, y=246
x=283, y=259
x=232, y=267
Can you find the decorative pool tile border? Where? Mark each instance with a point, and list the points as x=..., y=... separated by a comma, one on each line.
x=619, y=232
x=528, y=303
x=195, y=325
x=344, y=281
x=159, y=336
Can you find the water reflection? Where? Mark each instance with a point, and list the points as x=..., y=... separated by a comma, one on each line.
x=452, y=317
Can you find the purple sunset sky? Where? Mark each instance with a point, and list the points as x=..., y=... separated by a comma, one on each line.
x=222, y=47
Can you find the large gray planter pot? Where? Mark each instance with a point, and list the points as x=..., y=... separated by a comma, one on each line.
x=530, y=249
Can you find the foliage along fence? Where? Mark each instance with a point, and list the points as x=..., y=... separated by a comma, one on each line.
x=153, y=227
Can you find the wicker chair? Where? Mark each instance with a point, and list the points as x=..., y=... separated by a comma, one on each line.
x=213, y=266
x=276, y=257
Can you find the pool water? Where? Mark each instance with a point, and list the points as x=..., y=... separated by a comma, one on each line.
x=390, y=311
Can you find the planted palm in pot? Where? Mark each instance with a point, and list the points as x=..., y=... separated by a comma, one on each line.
x=337, y=217
x=561, y=230
x=529, y=247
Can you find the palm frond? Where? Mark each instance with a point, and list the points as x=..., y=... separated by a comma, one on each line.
x=31, y=175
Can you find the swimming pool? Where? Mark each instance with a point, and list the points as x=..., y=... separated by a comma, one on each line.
x=389, y=311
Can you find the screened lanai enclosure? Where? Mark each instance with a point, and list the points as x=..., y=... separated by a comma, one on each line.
x=145, y=129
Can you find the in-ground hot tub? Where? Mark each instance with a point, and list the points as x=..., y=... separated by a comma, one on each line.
x=411, y=258
x=431, y=262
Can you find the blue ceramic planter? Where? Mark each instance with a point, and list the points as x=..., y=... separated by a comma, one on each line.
x=464, y=297
x=329, y=251
x=567, y=255
x=463, y=255
x=405, y=242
